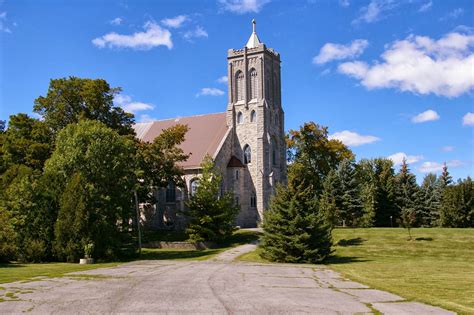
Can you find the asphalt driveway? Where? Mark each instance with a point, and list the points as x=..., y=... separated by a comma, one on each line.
x=219, y=286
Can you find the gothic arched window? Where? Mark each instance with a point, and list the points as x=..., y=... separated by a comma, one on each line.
x=239, y=85
x=253, y=116
x=274, y=151
x=253, y=84
x=247, y=154
x=240, y=118
x=194, y=186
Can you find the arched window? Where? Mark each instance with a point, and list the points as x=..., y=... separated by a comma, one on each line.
x=253, y=200
x=171, y=192
x=253, y=116
x=194, y=186
x=275, y=87
x=253, y=84
x=240, y=118
x=239, y=85
x=247, y=154
x=274, y=151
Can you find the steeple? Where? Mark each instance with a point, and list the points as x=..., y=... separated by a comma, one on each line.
x=253, y=41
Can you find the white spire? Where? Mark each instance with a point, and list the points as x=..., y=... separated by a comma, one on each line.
x=253, y=41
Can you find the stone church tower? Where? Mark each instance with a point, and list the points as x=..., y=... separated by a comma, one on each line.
x=256, y=118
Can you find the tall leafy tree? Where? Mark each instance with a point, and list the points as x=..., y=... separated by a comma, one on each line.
x=72, y=99
x=312, y=155
x=26, y=141
x=294, y=230
x=211, y=214
x=105, y=161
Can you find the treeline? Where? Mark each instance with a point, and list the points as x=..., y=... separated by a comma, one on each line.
x=68, y=180
x=327, y=188
x=371, y=193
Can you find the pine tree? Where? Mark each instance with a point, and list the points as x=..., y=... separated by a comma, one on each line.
x=430, y=200
x=328, y=204
x=457, y=208
x=407, y=196
x=368, y=197
x=295, y=231
x=211, y=215
x=349, y=201
x=445, y=179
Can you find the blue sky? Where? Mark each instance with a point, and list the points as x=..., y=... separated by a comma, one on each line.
x=390, y=78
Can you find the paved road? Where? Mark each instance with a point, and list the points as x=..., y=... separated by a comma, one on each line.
x=219, y=286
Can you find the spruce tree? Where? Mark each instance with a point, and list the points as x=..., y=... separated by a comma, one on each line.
x=445, y=179
x=368, y=195
x=407, y=196
x=211, y=213
x=430, y=198
x=328, y=203
x=295, y=231
x=349, y=201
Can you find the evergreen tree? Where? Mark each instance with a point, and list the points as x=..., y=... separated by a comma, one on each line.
x=430, y=199
x=368, y=196
x=295, y=231
x=211, y=214
x=445, y=179
x=407, y=196
x=349, y=202
x=457, y=208
x=328, y=203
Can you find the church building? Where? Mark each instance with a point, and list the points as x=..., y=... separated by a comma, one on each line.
x=247, y=141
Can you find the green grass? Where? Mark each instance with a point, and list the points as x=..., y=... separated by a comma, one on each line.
x=436, y=267
x=17, y=271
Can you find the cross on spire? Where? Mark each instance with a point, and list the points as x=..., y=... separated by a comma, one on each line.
x=253, y=41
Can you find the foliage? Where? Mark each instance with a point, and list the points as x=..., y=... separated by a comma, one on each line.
x=368, y=195
x=72, y=99
x=26, y=196
x=8, y=236
x=407, y=197
x=211, y=214
x=27, y=141
x=377, y=178
x=328, y=202
x=294, y=230
x=95, y=176
x=430, y=200
x=457, y=207
x=350, y=205
x=312, y=155
x=158, y=161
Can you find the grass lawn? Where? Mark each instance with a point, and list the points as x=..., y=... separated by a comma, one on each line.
x=17, y=272
x=437, y=267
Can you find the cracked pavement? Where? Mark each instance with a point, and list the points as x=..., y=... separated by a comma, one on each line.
x=217, y=286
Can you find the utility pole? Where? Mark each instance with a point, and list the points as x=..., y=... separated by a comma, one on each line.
x=138, y=222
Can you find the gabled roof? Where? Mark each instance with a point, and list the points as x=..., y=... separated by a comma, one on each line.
x=205, y=135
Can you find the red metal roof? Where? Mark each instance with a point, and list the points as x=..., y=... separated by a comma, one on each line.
x=205, y=135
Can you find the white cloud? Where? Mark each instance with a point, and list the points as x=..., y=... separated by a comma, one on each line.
x=374, y=11
x=175, y=22
x=353, y=139
x=426, y=6
x=116, y=21
x=223, y=79
x=153, y=36
x=421, y=65
x=397, y=158
x=129, y=106
x=468, y=119
x=331, y=51
x=210, y=92
x=3, y=23
x=344, y=3
x=432, y=167
x=243, y=6
x=454, y=14
x=429, y=115
x=447, y=148
x=198, y=32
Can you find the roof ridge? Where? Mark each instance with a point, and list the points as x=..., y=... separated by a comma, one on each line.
x=181, y=117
